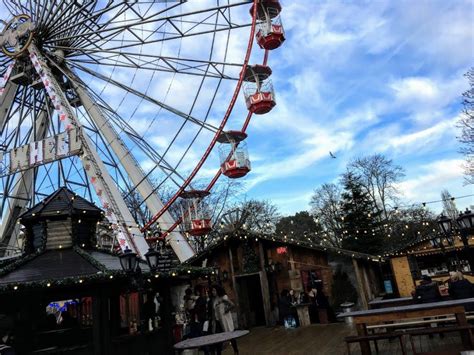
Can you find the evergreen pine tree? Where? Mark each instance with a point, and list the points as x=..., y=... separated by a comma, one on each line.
x=361, y=231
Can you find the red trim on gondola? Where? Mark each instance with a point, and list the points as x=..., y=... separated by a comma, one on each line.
x=260, y=102
x=200, y=227
x=271, y=40
x=231, y=170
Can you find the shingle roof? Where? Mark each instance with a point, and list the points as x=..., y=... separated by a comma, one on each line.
x=63, y=200
x=53, y=264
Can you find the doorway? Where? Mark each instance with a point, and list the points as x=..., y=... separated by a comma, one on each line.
x=250, y=301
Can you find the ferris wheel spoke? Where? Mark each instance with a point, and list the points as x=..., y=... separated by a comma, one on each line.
x=8, y=4
x=141, y=95
x=65, y=26
x=153, y=62
x=194, y=27
x=125, y=127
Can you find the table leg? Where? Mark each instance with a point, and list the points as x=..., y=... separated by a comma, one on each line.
x=465, y=334
x=365, y=344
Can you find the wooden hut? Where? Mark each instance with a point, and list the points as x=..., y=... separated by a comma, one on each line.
x=63, y=295
x=255, y=269
x=423, y=257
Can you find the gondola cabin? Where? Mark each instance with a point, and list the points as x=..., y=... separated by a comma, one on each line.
x=196, y=220
x=233, y=154
x=258, y=89
x=270, y=33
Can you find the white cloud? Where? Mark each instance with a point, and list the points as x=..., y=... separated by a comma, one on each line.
x=428, y=180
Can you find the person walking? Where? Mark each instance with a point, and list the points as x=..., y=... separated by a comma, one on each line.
x=222, y=307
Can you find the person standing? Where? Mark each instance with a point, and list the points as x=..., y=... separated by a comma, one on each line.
x=313, y=305
x=222, y=307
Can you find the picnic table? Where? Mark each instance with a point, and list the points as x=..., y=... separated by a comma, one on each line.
x=392, y=302
x=423, y=310
x=212, y=339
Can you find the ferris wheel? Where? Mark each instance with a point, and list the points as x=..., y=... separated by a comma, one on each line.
x=122, y=101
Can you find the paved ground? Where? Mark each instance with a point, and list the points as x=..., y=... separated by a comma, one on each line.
x=324, y=340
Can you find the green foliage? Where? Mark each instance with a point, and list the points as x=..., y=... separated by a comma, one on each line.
x=361, y=229
x=301, y=226
x=250, y=258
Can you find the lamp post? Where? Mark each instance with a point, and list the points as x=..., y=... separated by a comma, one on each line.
x=152, y=258
x=465, y=225
x=128, y=260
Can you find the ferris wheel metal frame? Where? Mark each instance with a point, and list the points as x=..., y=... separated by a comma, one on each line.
x=46, y=45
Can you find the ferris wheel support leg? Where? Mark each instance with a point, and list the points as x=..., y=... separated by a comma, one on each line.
x=107, y=191
x=6, y=101
x=22, y=193
x=143, y=185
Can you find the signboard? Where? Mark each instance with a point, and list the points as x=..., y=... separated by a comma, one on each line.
x=387, y=284
x=41, y=152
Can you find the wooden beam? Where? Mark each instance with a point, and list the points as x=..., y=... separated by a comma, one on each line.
x=234, y=282
x=360, y=285
x=264, y=286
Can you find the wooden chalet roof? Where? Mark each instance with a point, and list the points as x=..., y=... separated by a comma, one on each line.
x=63, y=200
x=52, y=264
x=76, y=266
x=290, y=242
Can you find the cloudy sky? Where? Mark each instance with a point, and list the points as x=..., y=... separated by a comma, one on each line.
x=353, y=77
x=363, y=77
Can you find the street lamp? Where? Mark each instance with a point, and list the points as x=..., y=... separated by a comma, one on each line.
x=152, y=257
x=128, y=260
x=465, y=224
x=445, y=224
x=466, y=220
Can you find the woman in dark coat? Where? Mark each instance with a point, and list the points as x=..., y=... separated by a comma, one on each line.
x=460, y=288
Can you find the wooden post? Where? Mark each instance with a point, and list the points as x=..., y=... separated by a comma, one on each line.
x=115, y=314
x=264, y=286
x=360, y=284
x=167, y=309
x=101, y=326
x=367, y=283
x=232, y=275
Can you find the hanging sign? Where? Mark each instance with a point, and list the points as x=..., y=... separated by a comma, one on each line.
x=41, y=152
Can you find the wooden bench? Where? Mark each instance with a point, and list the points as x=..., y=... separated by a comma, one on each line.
x=375, y=337
x=437, y=330
x=416, y=323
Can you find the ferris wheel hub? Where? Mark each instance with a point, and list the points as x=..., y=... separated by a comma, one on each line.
x=16, y=35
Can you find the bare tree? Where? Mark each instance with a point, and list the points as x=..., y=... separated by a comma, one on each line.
x=449, y=206
x=325, y=204
x=466, y=123
x=251, y=216
x=378, y=176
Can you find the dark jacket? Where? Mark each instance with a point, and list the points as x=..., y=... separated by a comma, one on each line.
x=426, y=293
x=284, y=305
x=201, y=309
x=460, y=289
